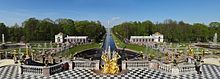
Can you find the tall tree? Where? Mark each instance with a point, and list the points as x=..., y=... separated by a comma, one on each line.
x=3, y=30
x=16, y=33
x=30, y=28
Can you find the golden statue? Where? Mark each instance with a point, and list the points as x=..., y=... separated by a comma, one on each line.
x=27, y=52
x=110, y=66
x=191, y=53
x=105, y=69
x=203, y=52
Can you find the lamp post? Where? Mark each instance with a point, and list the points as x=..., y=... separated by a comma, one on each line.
x=32, y=54
x=0, y=55
x=15, y=58
x=27, y=52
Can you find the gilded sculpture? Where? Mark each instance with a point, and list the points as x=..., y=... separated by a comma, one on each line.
x=110, y=66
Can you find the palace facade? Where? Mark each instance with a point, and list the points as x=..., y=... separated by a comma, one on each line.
x=59, y=38
x=157, y=38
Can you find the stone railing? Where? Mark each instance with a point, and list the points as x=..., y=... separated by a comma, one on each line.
x=171, y=69
x=177, y=70
x=44, y=70
x=187, y=68
x=77, y=64
x=135, y=64
x=59, y=67
x=32, y=70
x=165, y=67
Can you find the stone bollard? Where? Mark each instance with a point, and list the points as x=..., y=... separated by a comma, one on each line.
x=153, y=65
x=46, y=71
x=20, y=69
x=175, y=71
x=97, y=65
x=71, y=65
x=123, y=65
x=150, y=65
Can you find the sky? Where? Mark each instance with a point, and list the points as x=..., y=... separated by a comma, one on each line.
x=111, y=12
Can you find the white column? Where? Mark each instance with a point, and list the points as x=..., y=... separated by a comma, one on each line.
x=136, y=40
x=175, y=71
x=123, y=65
x=97, y=65
x=3, y=39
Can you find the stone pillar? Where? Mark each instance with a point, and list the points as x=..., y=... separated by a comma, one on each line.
x=97, y=65
x=20, y=70
x=3, y=39
x=71, y=65
x=123, y=65
x=46, y=71
x=6, y=54
x=136, y=40
x=145, y=40
x=175, y=71
x=153, y=65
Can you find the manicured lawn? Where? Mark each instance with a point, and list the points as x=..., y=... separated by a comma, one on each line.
x=78, y=48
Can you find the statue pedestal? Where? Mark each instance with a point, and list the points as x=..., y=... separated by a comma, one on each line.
x=123, y=65
x=46, y=71
x=175, y=71
x=153, y=65
x=97, y=65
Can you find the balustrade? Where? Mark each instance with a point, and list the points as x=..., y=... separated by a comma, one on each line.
x=187, y=68
x=179, y=69
x=86, y=64
x=134, y=64
x=25, y=69
x=43, y=70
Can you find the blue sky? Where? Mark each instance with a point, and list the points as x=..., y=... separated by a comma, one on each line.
x=114, y=11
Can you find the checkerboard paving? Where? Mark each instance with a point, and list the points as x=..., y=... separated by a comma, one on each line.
x=208, y=72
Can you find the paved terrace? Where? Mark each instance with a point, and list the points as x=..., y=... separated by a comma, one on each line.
x=208, y=72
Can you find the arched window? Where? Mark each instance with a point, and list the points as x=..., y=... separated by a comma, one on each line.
x=58, y=39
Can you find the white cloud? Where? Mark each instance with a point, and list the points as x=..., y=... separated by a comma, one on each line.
x=115, y=18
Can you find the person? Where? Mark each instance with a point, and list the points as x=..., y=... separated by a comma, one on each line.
x=54, y=61
x=197, y=66
x=66, y=66
x=43, y=59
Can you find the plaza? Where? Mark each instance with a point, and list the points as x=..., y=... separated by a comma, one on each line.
x=210, y=72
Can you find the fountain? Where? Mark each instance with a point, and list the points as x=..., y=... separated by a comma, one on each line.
x=213, y=45
x=109, y=61
x=110, y=66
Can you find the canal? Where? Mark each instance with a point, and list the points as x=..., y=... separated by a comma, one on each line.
x=108, y=46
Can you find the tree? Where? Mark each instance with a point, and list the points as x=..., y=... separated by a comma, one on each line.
x=200, y=32
x=67, y=25
x=15, y=33
x=3, y=30
x=172, y=30
x=30, y=29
